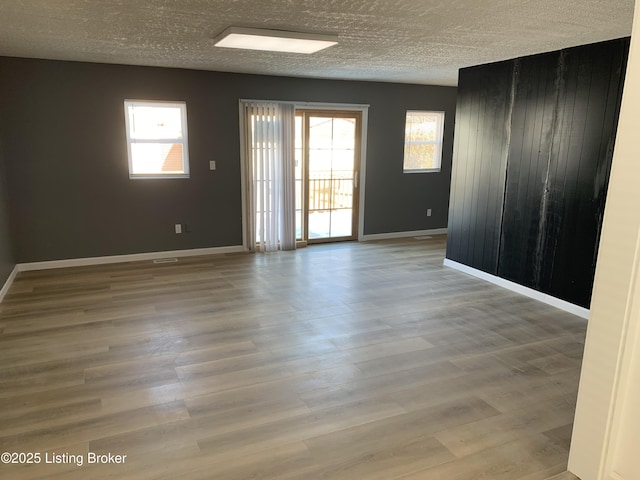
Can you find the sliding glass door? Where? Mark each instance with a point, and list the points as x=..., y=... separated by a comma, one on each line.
x=327, y=175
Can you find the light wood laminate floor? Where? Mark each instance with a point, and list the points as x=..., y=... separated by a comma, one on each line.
x=344, y=361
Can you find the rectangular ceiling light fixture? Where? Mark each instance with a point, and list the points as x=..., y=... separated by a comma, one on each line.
x=274, y=40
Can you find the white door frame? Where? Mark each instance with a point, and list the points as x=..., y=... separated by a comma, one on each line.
x=607, y=414
x=621, y=444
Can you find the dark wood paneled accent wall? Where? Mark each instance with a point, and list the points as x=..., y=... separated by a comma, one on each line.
x=481, y=143
x=533, y=147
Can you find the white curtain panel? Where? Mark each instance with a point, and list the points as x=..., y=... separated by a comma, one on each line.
x=270, y=169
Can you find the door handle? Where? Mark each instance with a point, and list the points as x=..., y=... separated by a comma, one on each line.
x=355, y=179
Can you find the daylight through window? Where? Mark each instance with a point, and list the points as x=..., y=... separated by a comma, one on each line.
x=423, y=141
x=157, y=139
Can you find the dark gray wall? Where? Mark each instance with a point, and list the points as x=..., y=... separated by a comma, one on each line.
x=70, y=195
x=7, y=260
x=534, y=143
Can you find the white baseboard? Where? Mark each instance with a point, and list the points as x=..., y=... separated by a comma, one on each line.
x=414, y=233
x=8, y=282
x=526, y=291
x=135, y=257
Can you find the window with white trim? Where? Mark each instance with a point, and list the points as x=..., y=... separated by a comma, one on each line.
x=423, y=141
x=157, y=139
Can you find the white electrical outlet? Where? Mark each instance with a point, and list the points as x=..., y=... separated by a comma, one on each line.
x=428, y=212
x=212, y=165
x=178, y=228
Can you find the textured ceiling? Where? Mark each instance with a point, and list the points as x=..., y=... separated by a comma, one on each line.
x=411, y=41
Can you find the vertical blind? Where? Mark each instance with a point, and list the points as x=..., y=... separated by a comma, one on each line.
x=270, y=175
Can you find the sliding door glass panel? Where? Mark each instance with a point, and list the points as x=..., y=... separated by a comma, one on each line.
x=331, y=144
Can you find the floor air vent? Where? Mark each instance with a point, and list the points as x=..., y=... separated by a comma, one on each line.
x=165, y=260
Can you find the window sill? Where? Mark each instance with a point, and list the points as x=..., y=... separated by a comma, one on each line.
x=145, y=177
x=422, y=170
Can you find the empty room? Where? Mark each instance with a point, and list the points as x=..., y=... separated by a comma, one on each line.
x=319, y=240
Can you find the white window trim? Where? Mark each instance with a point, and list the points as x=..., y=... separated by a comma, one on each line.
x=437, y=143
x=184, y=140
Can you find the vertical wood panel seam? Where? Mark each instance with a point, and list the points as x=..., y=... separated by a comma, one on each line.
x=508, y=125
